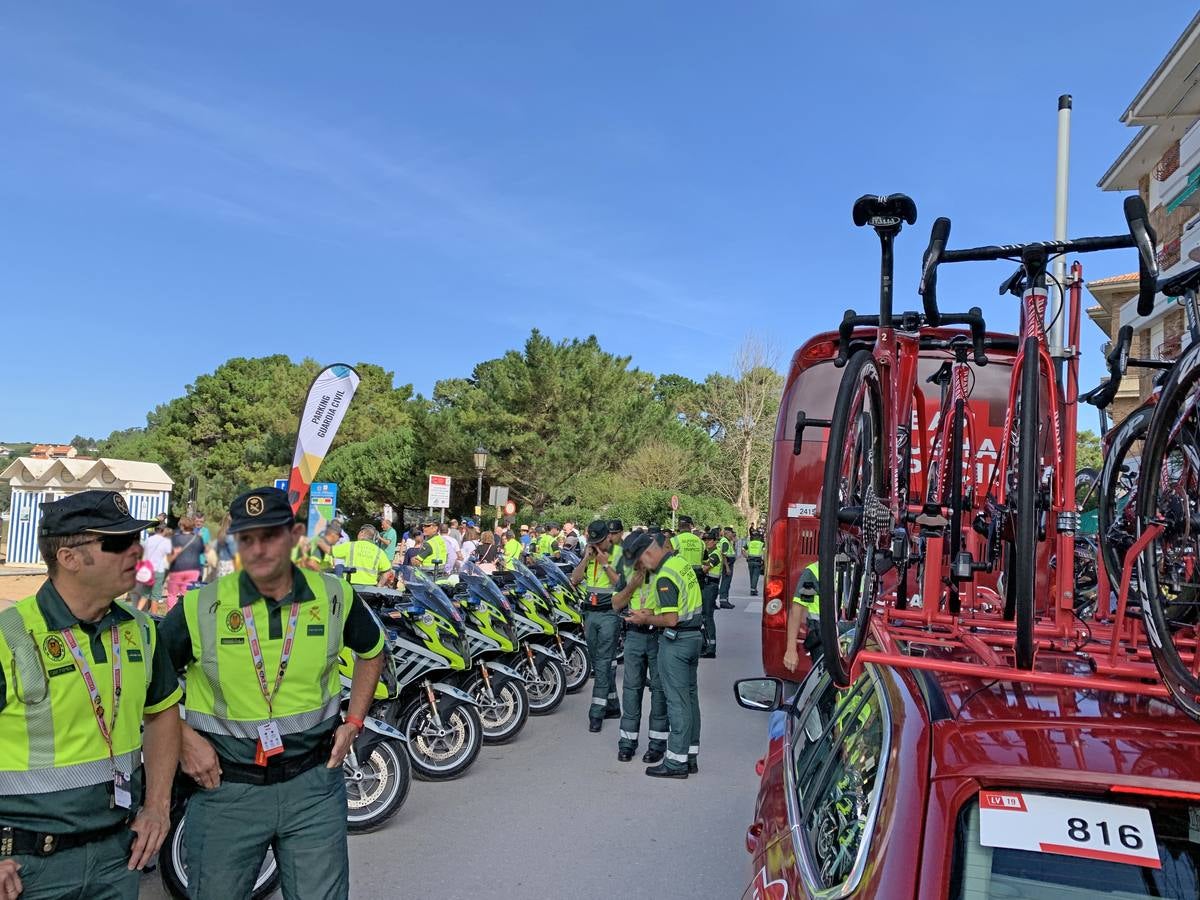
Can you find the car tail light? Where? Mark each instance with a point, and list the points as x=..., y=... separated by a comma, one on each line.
x=1154, y=792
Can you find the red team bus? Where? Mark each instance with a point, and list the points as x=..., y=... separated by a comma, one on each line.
x=811, y=387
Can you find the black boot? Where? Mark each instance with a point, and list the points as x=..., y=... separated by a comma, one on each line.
x=595, y=724
x=693, y=765
x=612, y=714
x=624, y=755
x=652, y=757
x=662, y=770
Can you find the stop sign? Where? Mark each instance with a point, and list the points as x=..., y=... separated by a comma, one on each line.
x=674, y=501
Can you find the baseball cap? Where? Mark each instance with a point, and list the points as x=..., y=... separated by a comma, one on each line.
x=597, y=531
x=101, y=512
x=264, y=507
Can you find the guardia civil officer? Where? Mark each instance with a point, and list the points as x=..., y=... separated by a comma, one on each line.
x=687, y=544
x=754, y=559
x=711, y=566
x=804, y=612
x=264, y=736
x=672, y=582
x=79, y=675
x=600, y=623
x=726, y=545
x=435, y=552
x=369, y=561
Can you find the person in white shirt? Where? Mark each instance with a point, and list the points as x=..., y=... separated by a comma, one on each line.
x=470, y=543
x=156, y=550
x=453, y=549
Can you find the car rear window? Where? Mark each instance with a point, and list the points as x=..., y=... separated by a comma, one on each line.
x=983, y=873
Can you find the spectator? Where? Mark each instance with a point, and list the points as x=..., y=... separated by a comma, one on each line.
x=387, y=537
x=155, y=551
x=569, y=539
x=412, y=556
x=455, y=532
x=470, y=543
x=453, y=548
x=525, y=536
x=488, y=550
x=226, y=548
x=184, y=560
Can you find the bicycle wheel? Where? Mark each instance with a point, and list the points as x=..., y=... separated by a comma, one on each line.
x=1117, y=510
x=853, y=516
x=1023, y=484
x=1168, y=491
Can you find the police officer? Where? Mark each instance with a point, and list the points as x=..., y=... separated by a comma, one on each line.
x=600, y=623
x=434, y=552
x=711, y=566
x=616, y=533
x=672, y=582
x=513, y=548
x=547, y=540
x=641, y=669
x=805, y=611
x=368, y=561
x=729, y=554
x=264, y=736
x=79, y=674
x=754, y=559
x=686, y=544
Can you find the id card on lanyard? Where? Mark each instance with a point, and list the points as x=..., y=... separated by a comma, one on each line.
x=122, y=795
x=270, y=741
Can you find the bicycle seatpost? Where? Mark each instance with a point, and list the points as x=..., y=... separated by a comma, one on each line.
x=887, y=216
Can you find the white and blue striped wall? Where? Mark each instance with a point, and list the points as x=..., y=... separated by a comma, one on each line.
x=26, y=513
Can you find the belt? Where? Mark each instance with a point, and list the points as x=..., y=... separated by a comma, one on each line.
x=599, y=607
x=642, y=629
x=689, y=627
x=276, y=772
x=19, y=842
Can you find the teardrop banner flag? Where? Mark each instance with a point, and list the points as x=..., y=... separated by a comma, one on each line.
x=328, y=398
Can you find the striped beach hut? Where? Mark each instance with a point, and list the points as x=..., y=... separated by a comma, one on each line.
x=145, y=486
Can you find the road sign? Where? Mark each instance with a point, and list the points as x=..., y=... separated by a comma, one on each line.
x=510, y=508
x=322, y=506
x=281, y=484
x=674, y=501
x=439, y=491
x=497, y=496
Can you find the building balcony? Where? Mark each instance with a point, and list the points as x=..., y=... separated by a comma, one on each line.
x=1189, y=243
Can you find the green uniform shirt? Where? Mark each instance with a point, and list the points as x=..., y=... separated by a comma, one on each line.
x=689, y=546
x=366, y=558
x=86, y=808
x=361, y=633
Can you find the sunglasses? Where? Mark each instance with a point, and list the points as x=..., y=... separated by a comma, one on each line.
x=113, y=543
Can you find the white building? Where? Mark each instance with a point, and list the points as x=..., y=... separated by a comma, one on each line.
x=145, y=486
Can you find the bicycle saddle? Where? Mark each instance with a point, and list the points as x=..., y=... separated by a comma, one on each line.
x=879, y=211
x=1178, y=285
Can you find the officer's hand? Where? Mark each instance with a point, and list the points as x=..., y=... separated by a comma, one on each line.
x=10, y=881
x=342, y=739
x=198, y=759
x=638, y=616
x=151, y=827
x=791, y=659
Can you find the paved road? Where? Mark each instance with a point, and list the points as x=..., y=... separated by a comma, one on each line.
x=553, y=814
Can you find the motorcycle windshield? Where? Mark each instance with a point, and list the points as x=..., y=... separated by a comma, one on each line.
x=481, y=585
x=426, y=592
x=553, y=573
x=528, y=580
x=570, y=557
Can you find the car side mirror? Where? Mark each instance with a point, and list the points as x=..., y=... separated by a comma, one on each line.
x=765, y=694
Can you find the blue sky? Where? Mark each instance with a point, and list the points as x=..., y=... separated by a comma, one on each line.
x=419, y=185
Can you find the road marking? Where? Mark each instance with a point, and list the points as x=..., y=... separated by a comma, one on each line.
x=754, y=607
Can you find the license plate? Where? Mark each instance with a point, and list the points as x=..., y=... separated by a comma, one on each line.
x=1067, y=826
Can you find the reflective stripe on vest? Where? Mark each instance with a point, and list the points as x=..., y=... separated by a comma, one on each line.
x=48, y=735
x=223, y=691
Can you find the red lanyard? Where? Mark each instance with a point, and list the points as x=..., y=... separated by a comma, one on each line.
x=289, y=637
x=81, y=663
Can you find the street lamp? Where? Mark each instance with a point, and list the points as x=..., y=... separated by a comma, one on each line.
x=481, y=456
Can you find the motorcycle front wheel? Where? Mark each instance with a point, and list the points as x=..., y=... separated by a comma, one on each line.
x=377, y=787
x=439, y=754
x=503, y=714
x=578, y=668
x=546, y=685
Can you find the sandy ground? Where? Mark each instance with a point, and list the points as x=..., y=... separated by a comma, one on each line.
x=14, y=587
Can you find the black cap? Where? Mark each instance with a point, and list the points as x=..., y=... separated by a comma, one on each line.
x=685, y=520
x=712, y=535
x=264, y=507
x=597, y=531
x=615, y=526
x=550, y=525
x=100, y=512
x=633, y=548
x=429, y=523
x=655, y=529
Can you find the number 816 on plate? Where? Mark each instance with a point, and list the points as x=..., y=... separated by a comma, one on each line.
x=1067, y=826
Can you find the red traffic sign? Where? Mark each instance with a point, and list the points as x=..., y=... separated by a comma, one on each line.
x=510, y=508
x=674, y=501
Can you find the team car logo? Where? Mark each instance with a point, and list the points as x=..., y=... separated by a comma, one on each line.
x=54, y=648
x=254, y=505
x=235, y=621
x=120, y=504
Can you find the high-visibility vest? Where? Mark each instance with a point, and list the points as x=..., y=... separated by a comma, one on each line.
x=513, y=548
x=690, y=547
x=366, y=558
x=754, y=549
x=545, y=544
x=438, y=551
x=678, y=570
x=724, y=546
x=813, y=603
x=223, y=692
x=49, y=737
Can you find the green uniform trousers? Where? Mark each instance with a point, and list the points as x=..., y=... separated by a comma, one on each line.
x=726, y=579
x=600, y=629
x=754, y=564
x=230, y=827
x=96, y=871
x=678, y=665
x=708, y=609
x=641, y=668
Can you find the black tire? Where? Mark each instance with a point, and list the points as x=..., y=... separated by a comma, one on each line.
x=503, y=720
x=577, y=656
x=1025, y=524
x=954, y=499
x=1116, y=510
x=441, y=757
x=376, y=792
x=1163, y=622
x=548, y=686
x=173, y=872
x=853, y=471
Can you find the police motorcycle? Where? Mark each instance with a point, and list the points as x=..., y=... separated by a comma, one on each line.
x=539, y=656
x=377, y=768
x=497, y=687
x=568, y=616
x=425, y=638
